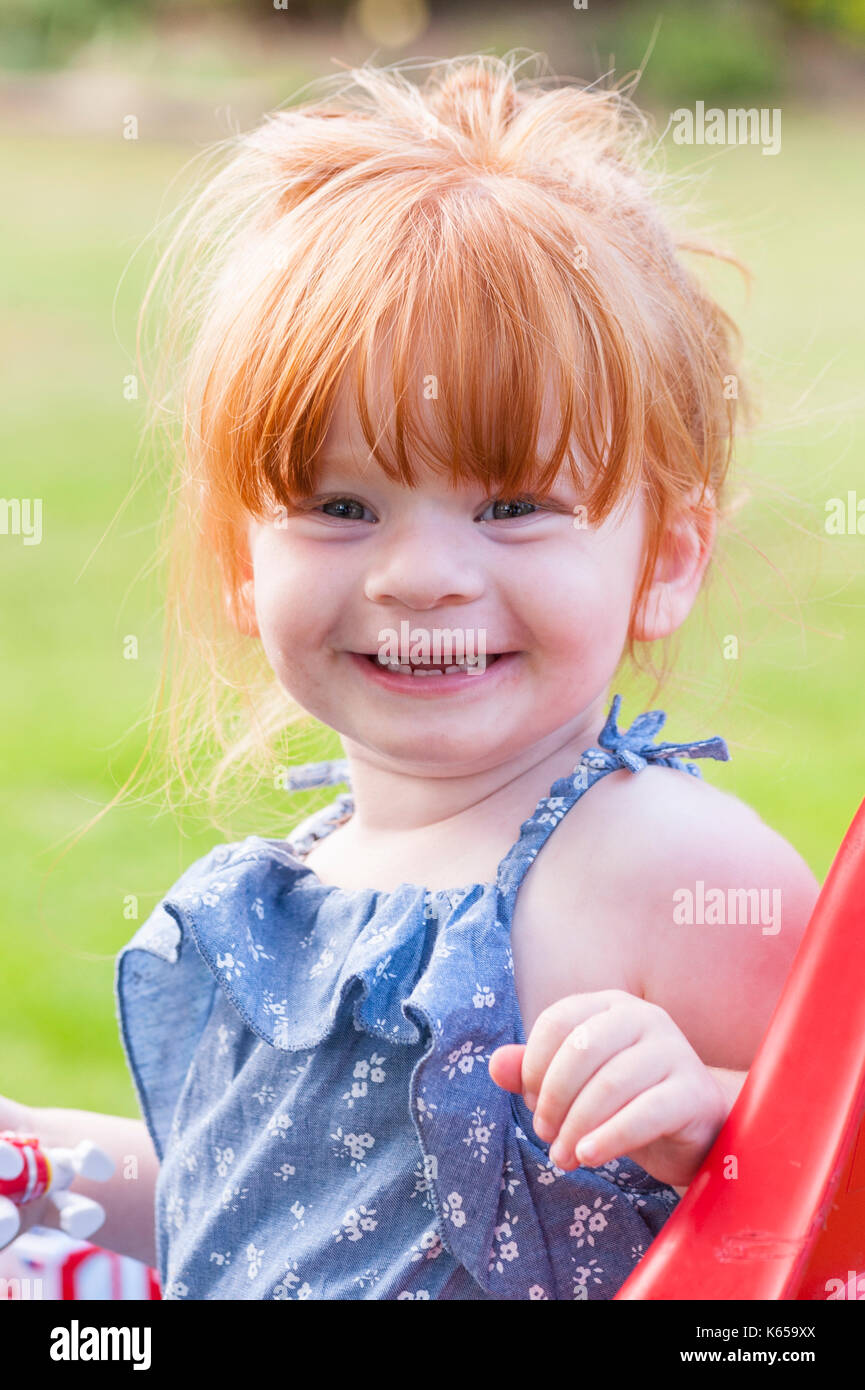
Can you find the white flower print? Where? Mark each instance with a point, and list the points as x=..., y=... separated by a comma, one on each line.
x=421, y=1293
x=258, y=908
x=509, y=957
x=176, y=1289
x=483, y=997
x=174, y=1212
x=302, y=1066
x=509, y=1183
x=422, y=1187
x=354, y=1223
x=381, y=1025
x=256, y=950
x=429, y=1247
x=381, y=970
x=279, y=1125
x=585, y=1274
x=367, y=1279
x=223, y=1034
x=364, y=1073
x=285, y=1288
x=353, y=1144
x=549, y=1171
x=425, y=1108
x=589, y=1220
x=284, y=1171
x=275, y=1008
x=637, y=1252
x=326, y=958
x=190, y=1161
x=223, y=1159
x=374, y=935
x=554, y=812
x=452, y=1208
x=538, y=1291
x=297, y=1210
x=463, y=1058
x=229, y=965
x=503, y=1237
x=479, y=1135
x=265, y=1095
x=229, y=1194
x=220, y=1258
x=253, y=1259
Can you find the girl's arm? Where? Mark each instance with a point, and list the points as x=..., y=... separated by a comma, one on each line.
x=128, y=1197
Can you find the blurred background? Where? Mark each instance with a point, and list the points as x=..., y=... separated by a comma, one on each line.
x=82, y=197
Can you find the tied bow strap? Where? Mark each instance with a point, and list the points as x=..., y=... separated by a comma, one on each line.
x=631, y=748
x=634, y=750
x=327, y=774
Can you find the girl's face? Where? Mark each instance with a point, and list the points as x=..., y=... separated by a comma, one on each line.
x=542, y=603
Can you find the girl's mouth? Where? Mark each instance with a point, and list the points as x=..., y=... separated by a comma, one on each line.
x=431, y=677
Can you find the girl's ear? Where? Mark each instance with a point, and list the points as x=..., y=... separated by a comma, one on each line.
x=240, y=606
x=684, y=554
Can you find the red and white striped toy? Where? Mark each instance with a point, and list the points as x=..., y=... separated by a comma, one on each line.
x=27, y=1171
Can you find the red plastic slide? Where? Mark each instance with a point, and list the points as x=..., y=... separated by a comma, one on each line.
x=777, y=1210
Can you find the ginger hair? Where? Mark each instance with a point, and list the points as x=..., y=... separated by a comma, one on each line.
x=506, y=237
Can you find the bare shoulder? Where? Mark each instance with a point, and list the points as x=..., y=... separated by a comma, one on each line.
x=687, y=883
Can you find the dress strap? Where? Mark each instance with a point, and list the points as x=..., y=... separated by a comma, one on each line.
x=306, y=775
x=617, y=748
x=630, y=749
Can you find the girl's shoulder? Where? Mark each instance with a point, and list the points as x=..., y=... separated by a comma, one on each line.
x=707, y=900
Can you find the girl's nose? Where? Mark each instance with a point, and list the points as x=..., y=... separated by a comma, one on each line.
x=421, y=570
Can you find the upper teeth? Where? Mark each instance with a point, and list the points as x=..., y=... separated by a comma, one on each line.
x=409, y=670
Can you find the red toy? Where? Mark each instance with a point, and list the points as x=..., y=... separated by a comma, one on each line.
x=28, y=1171
x=791, y=1223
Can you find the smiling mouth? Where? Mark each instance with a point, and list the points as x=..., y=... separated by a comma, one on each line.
x=433, y=668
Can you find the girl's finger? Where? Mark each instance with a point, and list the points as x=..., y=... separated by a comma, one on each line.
x=608, y=1092
x=661, y=1110
x=549, y=1031
x=552, y=1026
x=505, y=1066
x=590, y=1042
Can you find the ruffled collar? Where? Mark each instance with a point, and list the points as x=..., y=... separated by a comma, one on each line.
x=257, y=914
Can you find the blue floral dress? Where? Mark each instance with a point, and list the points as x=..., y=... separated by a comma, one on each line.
x=312, y=1066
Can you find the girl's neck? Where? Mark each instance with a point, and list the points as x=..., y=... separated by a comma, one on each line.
x=389, y=800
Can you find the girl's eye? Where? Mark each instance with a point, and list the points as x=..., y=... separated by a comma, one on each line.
x=504, y=509
x=345, y=508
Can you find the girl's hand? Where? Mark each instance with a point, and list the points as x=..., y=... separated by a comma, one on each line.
x=607, y=1074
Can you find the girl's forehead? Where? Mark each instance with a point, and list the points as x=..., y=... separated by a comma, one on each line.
x=346, y=448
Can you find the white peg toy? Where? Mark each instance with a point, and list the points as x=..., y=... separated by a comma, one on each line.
x=28, y=1171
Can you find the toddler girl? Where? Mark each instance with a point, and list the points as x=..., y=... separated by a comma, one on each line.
x=457, y=423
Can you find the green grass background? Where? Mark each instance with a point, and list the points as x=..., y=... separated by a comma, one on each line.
x=790, y=706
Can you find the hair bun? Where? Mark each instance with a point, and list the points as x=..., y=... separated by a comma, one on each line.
x=476, y=95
